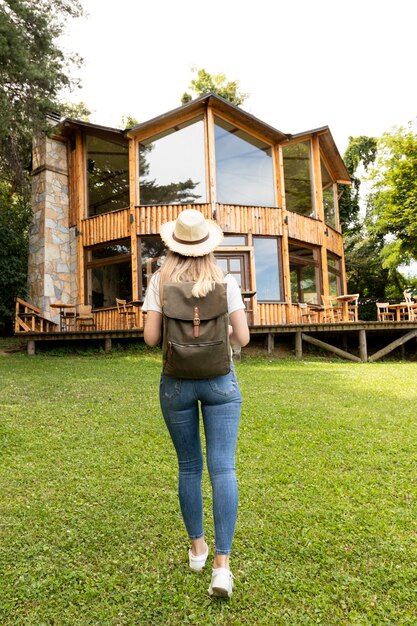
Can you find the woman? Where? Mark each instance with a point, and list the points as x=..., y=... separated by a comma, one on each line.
x=191, y=240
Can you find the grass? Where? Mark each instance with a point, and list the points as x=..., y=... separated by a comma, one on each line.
x=90, y=527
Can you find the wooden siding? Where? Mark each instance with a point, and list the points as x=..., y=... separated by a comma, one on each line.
x=334, y=242
x=247, y=219
x=106, y=227
x=305, y=229
x=148, y=219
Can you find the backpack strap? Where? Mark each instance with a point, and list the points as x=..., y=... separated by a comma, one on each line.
x=196, y=321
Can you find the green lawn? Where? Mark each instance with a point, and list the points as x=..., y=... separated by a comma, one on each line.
x=90, y=526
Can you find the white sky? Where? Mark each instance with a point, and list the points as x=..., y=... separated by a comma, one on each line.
x=306, y=63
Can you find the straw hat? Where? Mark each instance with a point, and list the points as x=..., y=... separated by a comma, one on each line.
x=190, y=234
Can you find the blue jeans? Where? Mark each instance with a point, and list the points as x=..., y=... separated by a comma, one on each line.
x=220, y=400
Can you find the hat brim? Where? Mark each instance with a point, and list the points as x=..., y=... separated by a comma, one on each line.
x=215, y=236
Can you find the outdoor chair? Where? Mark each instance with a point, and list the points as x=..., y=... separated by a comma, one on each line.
x=330, y=313
x=306, y=314
x=383, y=313
x=411, y=306
x=353, y=309
x=68, y=317
x=127, y=314
x=85, y=318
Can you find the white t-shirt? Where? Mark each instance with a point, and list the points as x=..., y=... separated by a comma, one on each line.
x=152, y=300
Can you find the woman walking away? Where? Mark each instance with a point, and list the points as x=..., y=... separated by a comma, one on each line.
x=190, y=277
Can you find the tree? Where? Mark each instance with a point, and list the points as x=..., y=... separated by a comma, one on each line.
x=361, y=151
x=394, y=195
x=15, y=219
x=33, y=71
x=215, y=83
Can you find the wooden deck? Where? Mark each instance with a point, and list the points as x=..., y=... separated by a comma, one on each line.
x=355, y=341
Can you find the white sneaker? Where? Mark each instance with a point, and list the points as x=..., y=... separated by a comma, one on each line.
x=197, y=562
x=221, y=584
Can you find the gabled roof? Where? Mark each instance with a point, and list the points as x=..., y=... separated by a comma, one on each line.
x=219, y=104
x=69, y=124
x=336, y=163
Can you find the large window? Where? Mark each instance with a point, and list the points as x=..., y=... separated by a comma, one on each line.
x=267, y=269
x=244, y=171
x=298, y=178
x=329, y=202
x=107, y=175
x=334, y=269
x=172, y=166
x=305, y=274
x=109, y=274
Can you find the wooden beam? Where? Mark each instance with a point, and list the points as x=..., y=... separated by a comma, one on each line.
x=210, y=158
x=330, y=348
x=391, y=346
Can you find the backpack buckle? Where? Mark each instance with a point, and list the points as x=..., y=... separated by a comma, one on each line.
x=196, y=321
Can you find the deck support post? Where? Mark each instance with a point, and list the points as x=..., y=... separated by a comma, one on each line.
x=30, y=347
x=298, y=345
x=270, y=343
x=107, y=344
x=363, y=350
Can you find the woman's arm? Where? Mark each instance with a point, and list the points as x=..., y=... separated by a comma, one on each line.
x=240, y=332
x=152, y=330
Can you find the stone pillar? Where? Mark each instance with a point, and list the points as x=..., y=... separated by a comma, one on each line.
x=52, y=271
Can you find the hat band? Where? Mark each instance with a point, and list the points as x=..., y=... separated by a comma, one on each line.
x=190, y=243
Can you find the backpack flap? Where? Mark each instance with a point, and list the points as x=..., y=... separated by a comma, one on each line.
x=179, y=303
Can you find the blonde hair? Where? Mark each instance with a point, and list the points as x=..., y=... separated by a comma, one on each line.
x=203, y=270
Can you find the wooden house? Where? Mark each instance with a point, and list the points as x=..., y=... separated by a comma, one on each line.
x=100, y=195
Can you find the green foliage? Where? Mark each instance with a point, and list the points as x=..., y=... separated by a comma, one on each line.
x=33, y=70
x=15, y=219
x=394, y=195
x=91, y=528
x=76, y=111
x=214, y=83
x=361, y=151
x=365, y=273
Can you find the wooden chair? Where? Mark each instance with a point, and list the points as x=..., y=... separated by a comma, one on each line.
x=353, y=308
x=85, y=318
x=306, y=314
x=330, y=312
x=383, y=313
x=126, y=313
x=411, y=306
x=68, y=318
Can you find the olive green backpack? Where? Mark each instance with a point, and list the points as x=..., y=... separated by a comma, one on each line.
x=195, y=339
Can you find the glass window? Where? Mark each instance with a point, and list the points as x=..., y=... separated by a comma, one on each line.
x=109, y=274
x=233, y=240
x=244, y=171
x=172, y=166
x=298, y=178
x=304, y=274
x=267, y=269
x=334, y=271
x=329, y=203
x=107, y=175
x=235, y=264
x=152, y=251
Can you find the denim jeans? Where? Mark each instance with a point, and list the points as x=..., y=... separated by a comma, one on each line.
x=220, y=401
